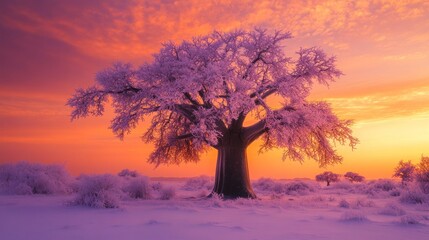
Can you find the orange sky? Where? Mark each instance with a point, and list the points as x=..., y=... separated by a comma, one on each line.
x=50, y=48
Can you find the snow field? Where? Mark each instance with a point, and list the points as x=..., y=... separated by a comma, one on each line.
x=132, y=206
x=317, y=215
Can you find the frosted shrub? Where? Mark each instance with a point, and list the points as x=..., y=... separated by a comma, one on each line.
x=275, y=196
x=411, y=219
x=156, y=186
x=392, y=210
x=291, y=188
x=167, y=193
x=264, y=184
x=269, y=185
x=128, y=173
x=138, y=188
x=395, y=193
x=423, y=181
x=384, y=185
x=348, y=187
x=344, y=204
x=99, y=191
x=380, y=186
x=298, y=188
x=33, y=178
x=317, y=199
x=198, y=183
x=422, y=175
x=353, y=216
x=343, y=185
x=278, y=188
x=413, y=197
x=216, y=200
x=362, y=203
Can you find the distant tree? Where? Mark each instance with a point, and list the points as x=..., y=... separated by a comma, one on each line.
x=354, y=177
x=328, y=177
x=405, y=171
x=200, y=93
x=422, y=175
x=423, y=164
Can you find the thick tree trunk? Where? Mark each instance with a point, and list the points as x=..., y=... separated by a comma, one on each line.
x=232, y=173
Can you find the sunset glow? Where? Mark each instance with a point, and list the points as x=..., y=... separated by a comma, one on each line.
x=50, y=48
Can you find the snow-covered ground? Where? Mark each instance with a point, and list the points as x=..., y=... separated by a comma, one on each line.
x=285, y=210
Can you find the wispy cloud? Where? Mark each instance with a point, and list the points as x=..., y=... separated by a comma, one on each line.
x=406, y=102
x=136, y=28
x=31, y=106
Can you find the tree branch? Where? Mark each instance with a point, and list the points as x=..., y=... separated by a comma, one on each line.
x=258, y=58
x=180, y=137
x=189, y=97
x=186, y=111
x=125, y=90
x=256, y=130
x=263, y=96
x=253, y=132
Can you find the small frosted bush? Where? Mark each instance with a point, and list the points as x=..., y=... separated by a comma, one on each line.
x=411, y=219
x=395, y=193
x=33, y=178
x=422, y=179
x=167, y=193
x=344, y=204
x=317, y=199
x=198, y=183
x=128, y=173
x=269, y=185
x=392, y=210
x=99, y=191
x=348, y=187
x=275, y=196
x=353, y=216
x=297, y=188
x=382, y=186
x=413, y=197
x=343, y=185
x=362, y=203
x=291, y=188
x=138, y=188
x=156, y=186
x=216, y=200
x=264, y=184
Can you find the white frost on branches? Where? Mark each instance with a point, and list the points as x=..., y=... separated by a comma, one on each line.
x=198, y=91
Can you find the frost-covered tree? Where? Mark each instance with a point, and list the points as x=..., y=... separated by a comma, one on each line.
x=423, y=165
x=213, y=91
x=422, y=175
x=405, y=171
x=354, y=177
x=328, y=177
